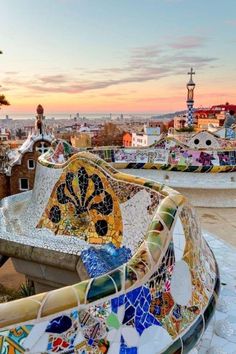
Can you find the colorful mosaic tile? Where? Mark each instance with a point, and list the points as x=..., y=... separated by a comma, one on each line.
x=149, y=298
x=11, y=341
x=100, y=261
x=82, y=204
x=173, y=155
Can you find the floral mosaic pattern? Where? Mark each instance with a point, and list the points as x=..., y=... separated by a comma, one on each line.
x=83, y=204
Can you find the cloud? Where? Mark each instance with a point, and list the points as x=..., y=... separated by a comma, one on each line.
x=144, y=52
x=195, y=60
x=12, y=72
x=188, y=42
x=4, y=89
x=116, y=94
x=160, y=99
x=53, y=78
x=143, y=64
x=88, y=86
x=231, y=22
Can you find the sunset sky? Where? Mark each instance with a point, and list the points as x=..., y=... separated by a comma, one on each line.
x=116, y=55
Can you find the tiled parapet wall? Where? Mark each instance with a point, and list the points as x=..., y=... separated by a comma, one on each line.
x=159, y=301
x=171, y=159
x=167, y=154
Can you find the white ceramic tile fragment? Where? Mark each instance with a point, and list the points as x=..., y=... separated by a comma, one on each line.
x=153, y=340
x=179, y=240
x=181, y=283
x=37, y=340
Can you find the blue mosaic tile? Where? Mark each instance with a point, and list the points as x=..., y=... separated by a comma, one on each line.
x=105, y=259
x=137, y=303
x=59, y=324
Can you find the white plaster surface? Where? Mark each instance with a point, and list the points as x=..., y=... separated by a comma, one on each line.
x=203, y=137
x=223, y=180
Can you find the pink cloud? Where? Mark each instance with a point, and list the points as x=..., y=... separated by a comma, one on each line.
x=187, y=42
x=231, y=22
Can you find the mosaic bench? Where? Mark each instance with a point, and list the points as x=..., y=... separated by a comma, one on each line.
x=152, y=280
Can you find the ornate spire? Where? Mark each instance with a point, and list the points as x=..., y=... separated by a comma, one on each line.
x=191, y=73
x=40, y=109
x=190, y=97
x=39, y=119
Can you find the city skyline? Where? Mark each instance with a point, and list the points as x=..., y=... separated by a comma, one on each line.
x=108, y=56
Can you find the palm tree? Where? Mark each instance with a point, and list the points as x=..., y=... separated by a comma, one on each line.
x=3, y=101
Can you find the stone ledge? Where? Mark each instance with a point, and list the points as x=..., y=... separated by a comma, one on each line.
x=44, y=256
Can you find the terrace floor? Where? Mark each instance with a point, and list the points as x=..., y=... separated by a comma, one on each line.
x=224, y=321
x=220, y=222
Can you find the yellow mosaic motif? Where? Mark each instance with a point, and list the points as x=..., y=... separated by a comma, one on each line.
x=83, y=204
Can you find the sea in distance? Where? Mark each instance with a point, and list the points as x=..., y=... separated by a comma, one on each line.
x=92, y=116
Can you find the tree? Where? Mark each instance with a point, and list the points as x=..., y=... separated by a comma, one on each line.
x=19, y=133
x=3, y=101
x=188, y=129
x=109, y=135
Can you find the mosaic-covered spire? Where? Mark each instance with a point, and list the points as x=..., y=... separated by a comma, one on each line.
x=190, y=97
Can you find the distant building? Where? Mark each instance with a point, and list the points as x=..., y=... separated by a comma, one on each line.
x=64, y=135
x=127, y=139
x=6, y=120
x=148, y=137
x=81, y=140
x=17, y=170
x=4, y=134
x=15, y=143
x=180, y=122
x=157, y=124
x=225, y=107
x=214, y=117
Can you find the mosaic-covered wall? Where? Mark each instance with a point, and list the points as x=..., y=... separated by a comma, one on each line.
x=160, y=298
x=202, y=153
x=175, y=158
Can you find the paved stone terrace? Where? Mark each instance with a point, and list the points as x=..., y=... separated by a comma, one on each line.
x=220, y=337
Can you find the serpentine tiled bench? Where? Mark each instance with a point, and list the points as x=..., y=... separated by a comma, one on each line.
x=152, y=279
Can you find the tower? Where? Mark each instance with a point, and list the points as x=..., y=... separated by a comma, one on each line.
x=190, y=97
x=39, y=119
